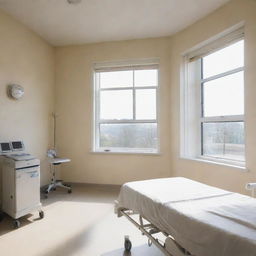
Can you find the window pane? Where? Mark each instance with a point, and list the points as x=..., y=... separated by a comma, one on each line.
x=146, y=104
x=224, y=60
x=116, y=104
x=116, y=79
x=224, y=140
x=140, y=136
x=224, y=96
x=145, y=77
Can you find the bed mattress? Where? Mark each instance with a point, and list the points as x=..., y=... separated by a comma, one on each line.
x=205, y=220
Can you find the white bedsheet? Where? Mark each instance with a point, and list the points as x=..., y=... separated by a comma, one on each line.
x=205, y=220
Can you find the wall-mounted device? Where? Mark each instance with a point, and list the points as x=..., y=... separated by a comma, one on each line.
x=15, y=91
x=74, y=1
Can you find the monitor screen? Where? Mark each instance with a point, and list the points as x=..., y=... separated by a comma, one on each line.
x=5, y=146
x=17, y=145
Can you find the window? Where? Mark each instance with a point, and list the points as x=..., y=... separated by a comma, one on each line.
x=213, y=98
x=126, y=109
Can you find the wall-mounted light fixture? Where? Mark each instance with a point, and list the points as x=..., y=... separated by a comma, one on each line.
x=15, y=91
x=74, y=1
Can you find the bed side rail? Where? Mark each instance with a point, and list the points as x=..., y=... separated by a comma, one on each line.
x=169, y=247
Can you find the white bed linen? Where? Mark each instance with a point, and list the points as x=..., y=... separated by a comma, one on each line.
x=205, y=220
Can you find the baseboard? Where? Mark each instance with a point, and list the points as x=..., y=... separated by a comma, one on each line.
x=113, y=186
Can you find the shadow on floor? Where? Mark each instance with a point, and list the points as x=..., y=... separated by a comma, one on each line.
x=89, y=194
x=83, y=239
x=73, y=245
x=7, y=223
x=136, y=251
x=81, y=193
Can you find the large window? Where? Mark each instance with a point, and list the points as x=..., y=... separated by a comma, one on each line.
x=215, y=95
x=222, y=87
x=126, y=109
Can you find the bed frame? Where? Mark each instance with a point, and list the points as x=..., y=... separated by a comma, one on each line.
x=169, y=247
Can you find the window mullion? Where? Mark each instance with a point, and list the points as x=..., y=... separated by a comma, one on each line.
x=202, y=139
x=238, y=118
x=127, y=121
x=128, y=88
x=134, y=97
x=97, y=111
x=230, y=72
x=201, y=89
x=117, y=89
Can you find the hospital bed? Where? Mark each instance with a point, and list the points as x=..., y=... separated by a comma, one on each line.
x=194, y=218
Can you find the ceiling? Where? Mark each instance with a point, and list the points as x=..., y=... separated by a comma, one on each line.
x=107, y=20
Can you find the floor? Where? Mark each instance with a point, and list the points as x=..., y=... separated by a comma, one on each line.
x=81, y=223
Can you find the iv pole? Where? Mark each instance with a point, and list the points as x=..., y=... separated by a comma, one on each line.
x=53, y=152
x=54, y=130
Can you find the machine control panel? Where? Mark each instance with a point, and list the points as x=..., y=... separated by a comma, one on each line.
x=5, y=147
x=9, y=147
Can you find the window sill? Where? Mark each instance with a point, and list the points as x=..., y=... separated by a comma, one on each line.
x=232, y=164
x=126, y=153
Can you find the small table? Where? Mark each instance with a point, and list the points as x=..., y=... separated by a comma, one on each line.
x=54, y=182
x=58, y=160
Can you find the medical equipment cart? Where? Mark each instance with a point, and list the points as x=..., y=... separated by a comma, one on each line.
x=21, y=185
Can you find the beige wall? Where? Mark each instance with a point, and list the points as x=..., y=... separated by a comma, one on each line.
x=75, y=107
x=27, y=60
x=222, y=19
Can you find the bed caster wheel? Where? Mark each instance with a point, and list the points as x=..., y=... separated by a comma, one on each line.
x=16, y=224
x=127, y=244
x=46, y=194
x=41, y=214
x=70, y=191
x=1, y=216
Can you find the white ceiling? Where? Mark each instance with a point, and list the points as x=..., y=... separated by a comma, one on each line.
x=107, y=20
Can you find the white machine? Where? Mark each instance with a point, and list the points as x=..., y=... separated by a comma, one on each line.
x=21, y=181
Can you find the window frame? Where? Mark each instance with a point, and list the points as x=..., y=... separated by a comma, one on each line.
x=123, y=66
x=216, y=119
x=196, y=55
